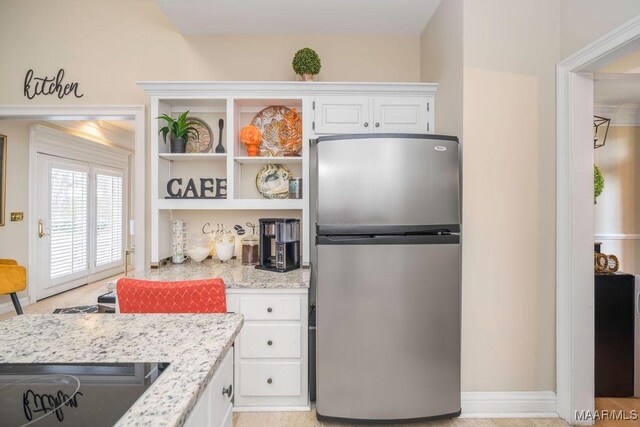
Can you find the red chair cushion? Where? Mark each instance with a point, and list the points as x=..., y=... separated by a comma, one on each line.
x=190, y=296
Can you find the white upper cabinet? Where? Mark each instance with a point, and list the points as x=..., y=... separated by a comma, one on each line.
x=342, y=114
x=408, y=114
x=373, y=114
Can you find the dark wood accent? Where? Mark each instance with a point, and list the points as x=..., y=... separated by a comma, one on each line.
x=614, y=334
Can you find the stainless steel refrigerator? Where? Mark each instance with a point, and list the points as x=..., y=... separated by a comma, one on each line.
x=386, y=276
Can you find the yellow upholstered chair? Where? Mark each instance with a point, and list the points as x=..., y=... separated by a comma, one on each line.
x=13, y=278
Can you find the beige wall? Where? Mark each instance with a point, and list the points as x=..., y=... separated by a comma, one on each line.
x=619, y=204
x=511, y=48
x=109, y=45
x=584, y=21
x=441, y=62
x=510, y=52
x=13, y=236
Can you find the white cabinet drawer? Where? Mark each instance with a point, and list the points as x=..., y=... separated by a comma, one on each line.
x=270, y=308
x=270, y=341
x=270, y=379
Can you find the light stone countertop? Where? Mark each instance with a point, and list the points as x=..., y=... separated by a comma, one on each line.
x=233, y=273
x=194, y=344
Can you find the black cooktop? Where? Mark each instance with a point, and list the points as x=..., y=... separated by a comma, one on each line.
x=81, y=394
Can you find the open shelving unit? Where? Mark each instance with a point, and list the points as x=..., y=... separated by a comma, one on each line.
x=234, y=165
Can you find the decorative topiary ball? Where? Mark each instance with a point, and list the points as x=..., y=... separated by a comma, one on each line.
x=598, y=182
x=306, y=61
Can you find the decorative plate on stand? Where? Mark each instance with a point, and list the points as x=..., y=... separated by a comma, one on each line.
x=204, y=143
x=272, y=181
x=281, y=129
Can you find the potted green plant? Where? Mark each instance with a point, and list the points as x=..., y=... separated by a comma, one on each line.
x=179, y=131
x=306, y=63
x=598, y=183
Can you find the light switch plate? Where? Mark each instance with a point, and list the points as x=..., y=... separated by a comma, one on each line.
x=17, y=216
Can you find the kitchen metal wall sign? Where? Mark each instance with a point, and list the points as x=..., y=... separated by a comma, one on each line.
x=45, y=85
x=209, y=188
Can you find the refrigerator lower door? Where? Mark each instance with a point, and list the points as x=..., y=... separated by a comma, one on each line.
x=388, y=328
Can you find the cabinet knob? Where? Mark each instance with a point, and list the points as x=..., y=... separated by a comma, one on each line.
x=269, y=381
x=377, y=124
x=269, y=310
x=227, y=390
x=269, y=342
x=366, y=124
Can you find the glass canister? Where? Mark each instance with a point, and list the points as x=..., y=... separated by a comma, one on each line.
x=250, y=250
x=225, y=246
x=198, y=247
x=179, y=240
x=295, y=188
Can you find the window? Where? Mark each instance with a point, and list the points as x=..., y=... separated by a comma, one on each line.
x=109, y=219
x=69, y=215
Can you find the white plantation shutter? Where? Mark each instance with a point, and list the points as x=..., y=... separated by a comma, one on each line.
x=69, y=221
x=109, y=219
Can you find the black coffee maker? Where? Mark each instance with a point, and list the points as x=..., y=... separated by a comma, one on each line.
x=279, y=244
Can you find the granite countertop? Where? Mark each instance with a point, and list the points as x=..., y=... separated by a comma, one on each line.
x=234, y=274
x=194, y=344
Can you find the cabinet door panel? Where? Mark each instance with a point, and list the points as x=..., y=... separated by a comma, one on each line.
x=342, y=114
x=401, y=114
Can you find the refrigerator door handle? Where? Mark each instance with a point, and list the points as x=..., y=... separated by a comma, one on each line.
x=637, y=303
x=412, y=239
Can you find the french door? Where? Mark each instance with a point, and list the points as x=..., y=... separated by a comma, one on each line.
x=80, y=221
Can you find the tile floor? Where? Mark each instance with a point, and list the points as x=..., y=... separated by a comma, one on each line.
x=88, y=294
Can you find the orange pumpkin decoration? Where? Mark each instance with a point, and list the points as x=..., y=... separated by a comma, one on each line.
x=252, y=138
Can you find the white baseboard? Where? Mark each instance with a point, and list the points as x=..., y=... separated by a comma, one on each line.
x=509, y=404
x=8, y=306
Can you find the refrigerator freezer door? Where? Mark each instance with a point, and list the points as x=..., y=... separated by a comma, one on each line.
x=388, y=330
x=386, y=180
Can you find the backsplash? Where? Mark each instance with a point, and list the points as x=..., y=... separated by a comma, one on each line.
x=236, y=221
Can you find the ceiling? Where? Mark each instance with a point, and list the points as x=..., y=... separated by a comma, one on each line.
x=207, y=17
x=616, y=88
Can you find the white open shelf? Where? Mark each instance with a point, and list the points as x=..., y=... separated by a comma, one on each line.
x=231, y=204
x=246, y=160
x=194, y=157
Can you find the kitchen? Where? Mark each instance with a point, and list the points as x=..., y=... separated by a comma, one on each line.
x=143, y=59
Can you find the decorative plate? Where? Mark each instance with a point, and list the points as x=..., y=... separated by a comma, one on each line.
x=275, y=122
x=204, y=143
x=272, y=181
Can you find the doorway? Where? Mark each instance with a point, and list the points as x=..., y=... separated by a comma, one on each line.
x=81, y=222
x=575, y=219
x=58, y=115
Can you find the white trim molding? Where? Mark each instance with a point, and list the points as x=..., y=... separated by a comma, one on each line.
x=509, y=404
x=256, y=90
x=575, y=218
